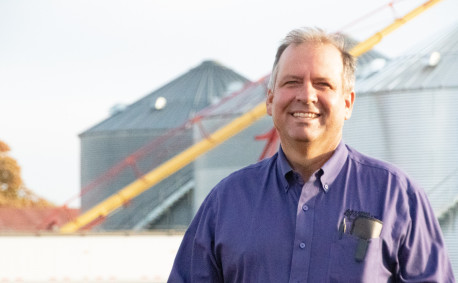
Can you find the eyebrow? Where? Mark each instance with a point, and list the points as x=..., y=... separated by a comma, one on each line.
x=318, y=77
x=291, y=77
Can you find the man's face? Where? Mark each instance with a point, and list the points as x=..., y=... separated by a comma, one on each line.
x=308, y=103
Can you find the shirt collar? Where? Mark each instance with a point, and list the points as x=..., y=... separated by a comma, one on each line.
x=284, y=169
x=283, y=163
x=333, y=166
x=328, y=172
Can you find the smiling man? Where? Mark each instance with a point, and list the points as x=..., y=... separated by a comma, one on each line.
x=317, y=211
x=309, y=100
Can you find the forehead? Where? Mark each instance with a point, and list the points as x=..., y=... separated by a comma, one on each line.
x=322, y=59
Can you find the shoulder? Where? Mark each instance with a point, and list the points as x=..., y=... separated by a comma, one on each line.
x=377, y=168
x=368, y=162
x=392, y=182
x=251, y=173
x=236, y=192
x=245, y=182
x=389, y=178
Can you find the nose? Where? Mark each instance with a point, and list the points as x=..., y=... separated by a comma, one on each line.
x=307, y=94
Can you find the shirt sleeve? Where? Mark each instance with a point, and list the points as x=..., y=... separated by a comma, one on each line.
x=422, y=254
x=196, y=260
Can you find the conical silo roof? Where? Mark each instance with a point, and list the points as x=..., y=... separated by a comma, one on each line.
x=184, y=96
x=433, y=64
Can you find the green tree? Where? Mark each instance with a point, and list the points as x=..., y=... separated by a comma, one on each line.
x=12, y=190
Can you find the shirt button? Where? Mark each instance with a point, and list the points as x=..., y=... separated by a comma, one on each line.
x=326, y=186
x=302, y=245
x=305, y=207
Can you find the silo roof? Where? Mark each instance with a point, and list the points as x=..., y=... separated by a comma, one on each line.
x=184, y=96
x=431, y=65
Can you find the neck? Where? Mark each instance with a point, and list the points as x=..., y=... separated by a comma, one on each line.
x=306, y=159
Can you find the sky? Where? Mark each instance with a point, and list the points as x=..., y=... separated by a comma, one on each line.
x=64, y=64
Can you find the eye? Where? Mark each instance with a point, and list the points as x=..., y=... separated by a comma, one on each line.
x=291, y=83
x=323, y=85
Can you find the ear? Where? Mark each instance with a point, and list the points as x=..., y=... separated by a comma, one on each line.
x=349, y=101
x=269, y=100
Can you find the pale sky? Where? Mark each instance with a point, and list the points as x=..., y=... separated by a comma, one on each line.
x=63, y=64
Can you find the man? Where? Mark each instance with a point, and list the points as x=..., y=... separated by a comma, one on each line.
x=317, y=211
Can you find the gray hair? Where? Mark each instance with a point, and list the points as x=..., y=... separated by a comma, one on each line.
x=316, y=35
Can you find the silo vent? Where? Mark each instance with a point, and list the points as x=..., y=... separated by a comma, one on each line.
x=117, y=108
x=160, y=103
x=433, y=59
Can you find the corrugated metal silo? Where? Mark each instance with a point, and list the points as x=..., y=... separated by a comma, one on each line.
x=406, y=114
x=111, y=141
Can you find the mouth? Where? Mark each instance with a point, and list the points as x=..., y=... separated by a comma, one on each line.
x=307, y=115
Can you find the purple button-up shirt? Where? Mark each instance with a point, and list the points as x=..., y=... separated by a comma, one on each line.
x=265, y=224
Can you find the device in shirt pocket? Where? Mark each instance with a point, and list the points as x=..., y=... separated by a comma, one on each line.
x=356, y=251
x=365, y=228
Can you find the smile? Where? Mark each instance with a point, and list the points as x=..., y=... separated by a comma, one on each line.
x=305, y=115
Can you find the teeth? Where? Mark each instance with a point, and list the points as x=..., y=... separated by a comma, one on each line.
x=305, y=115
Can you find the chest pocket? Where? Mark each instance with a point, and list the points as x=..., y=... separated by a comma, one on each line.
x=343, y=265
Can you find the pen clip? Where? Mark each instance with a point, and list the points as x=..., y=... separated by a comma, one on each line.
x=342, y=228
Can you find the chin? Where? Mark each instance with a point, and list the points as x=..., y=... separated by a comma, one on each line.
x=303, y=139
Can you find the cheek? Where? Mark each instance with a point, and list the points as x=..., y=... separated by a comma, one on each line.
x=335, y=107
x=335, y=101
x=329, y=102
x=281, y=99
